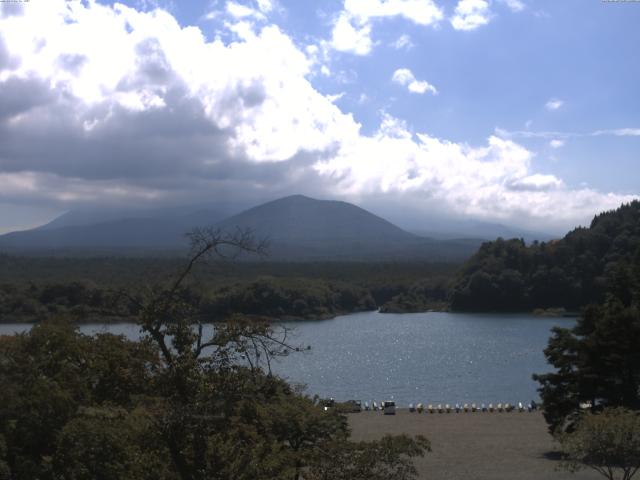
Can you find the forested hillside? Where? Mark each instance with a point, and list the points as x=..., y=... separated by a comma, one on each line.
x=507, y=275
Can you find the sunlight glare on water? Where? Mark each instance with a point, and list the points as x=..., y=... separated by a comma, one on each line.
x=422, y=357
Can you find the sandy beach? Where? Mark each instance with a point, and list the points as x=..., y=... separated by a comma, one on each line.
x=474, y=446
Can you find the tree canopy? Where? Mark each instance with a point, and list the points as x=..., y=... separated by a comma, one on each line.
x=607, y=442
x=508, y=275
x=597, y=362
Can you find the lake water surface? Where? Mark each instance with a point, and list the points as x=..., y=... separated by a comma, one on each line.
x=423, y=357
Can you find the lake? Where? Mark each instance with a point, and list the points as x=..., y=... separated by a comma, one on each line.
x=410, y=358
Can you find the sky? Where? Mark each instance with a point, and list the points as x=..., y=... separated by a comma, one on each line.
x=515, y=111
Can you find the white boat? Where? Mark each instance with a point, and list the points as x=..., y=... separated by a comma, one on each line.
x=366, y=406
x=375, y=405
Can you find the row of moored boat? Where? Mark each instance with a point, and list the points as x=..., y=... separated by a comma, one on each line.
x=458, y=408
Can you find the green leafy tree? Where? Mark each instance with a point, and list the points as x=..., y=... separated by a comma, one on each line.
x=607, y=442
x=49, y=374
x=5, y=472
x=109, y=444
x=391, y=457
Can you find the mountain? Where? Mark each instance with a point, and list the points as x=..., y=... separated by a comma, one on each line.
x=112, y=231
x=302, y=228
x=297, y=227
x=177, y=215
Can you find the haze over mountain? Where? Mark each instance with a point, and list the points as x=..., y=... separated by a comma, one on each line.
x=112, y=230
x=444, y=229
x=298, y=228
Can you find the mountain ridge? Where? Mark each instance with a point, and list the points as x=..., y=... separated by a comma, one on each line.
x=298, y=227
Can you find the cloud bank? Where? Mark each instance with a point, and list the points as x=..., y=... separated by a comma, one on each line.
x=160, y=114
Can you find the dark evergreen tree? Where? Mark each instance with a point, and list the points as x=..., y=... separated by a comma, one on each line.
x=572, y=272
x=598, y=361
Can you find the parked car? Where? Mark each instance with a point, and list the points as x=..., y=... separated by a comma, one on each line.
x=356, y=405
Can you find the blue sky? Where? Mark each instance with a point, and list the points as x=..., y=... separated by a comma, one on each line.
x=522, y=112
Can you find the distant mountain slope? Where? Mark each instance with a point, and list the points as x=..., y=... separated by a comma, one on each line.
x=297, y=227
x=571, y=272
x=75, y=231
x=180, y=215
x=302, y=228
x=302, y=218
x=481, y=230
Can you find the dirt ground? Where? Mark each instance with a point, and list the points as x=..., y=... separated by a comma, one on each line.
x=474, y=446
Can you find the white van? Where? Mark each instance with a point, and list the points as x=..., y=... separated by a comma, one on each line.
x=389, y=407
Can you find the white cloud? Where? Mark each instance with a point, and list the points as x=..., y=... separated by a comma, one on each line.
x=159, y=113
x=470, y=14
x=267, y=5
x=240, y=11
x=620, y=132
x=404, y=77
x=554, y=104
x=514, y=5
x=537, y=183
x=403, y=41
x=334, y=98
x=353, y=26
x=349, y=38
x=421, y=12
x=616, y=132
x=556, y=143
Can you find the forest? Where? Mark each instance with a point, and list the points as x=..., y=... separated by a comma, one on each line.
x=569, y=273
x=91, y=289
x=504, y=275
